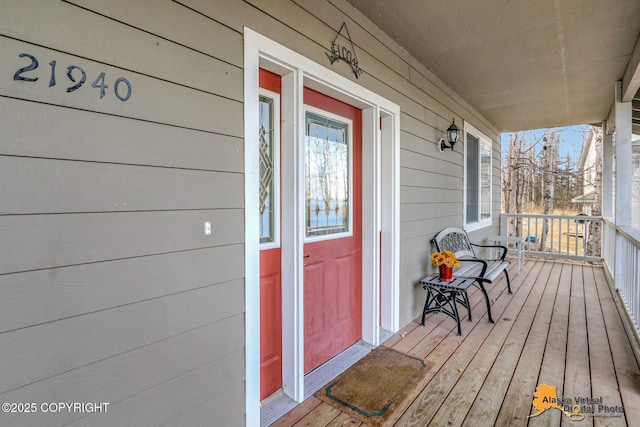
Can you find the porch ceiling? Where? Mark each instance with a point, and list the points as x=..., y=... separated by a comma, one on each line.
x=523, y=64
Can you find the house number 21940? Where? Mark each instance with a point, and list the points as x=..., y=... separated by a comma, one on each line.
x=76, y=75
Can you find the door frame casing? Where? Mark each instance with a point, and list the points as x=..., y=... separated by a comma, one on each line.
x=380, y=207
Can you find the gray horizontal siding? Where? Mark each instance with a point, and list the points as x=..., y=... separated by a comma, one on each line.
x=73, y=186
x=68, y=239
x=82, y=340
x=41, y=296
x=109, y=290
x=178, y=24
x=73, y=134
x=113, y=42
x=154, y=100
x=181, y=394
x=155, y=368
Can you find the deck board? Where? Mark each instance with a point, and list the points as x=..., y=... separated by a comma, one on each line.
x=625, y=363
x=320, y=416
x=603, y=375
x=576, y=374
x=344, y=420
x=468, y=365
x=299, y=412
x=561, y=327
x=451, y=358
x=484, y=409
x=553, y=361
x=514, y=404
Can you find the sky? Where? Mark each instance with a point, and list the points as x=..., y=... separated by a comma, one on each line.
x=571, y=140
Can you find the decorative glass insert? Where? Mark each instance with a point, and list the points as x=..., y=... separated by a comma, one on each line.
x=267, y=170
x=327, y=176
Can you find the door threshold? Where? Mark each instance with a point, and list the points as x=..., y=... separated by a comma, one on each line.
x=278, y=404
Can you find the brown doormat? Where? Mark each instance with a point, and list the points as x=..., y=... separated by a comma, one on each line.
x=376, y=385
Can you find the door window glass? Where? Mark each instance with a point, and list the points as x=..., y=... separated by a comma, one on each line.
x=327, y=176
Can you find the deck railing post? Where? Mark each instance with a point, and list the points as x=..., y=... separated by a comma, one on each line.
x=504, y=221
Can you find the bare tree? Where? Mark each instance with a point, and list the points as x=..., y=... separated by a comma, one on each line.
x=532, y=167
x=550, y=166
x=594, y=243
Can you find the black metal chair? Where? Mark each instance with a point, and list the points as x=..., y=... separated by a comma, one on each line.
x=472, y=266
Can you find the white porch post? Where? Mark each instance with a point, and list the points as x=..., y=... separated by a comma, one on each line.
x=623, y=178
x=623, y=159
x=607, y=171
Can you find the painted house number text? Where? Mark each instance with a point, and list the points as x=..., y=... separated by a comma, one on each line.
x=76, y=75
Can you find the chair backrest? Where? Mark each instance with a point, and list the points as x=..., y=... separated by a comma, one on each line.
x=455, y=240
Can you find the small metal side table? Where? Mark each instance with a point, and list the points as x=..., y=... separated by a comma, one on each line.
x=443, y=296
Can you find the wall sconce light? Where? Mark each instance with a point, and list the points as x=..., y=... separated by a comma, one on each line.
x=453, y=133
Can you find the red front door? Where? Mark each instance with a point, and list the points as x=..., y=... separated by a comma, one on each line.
x=333, y=229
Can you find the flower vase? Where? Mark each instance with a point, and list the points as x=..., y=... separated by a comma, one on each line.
x=446, y=273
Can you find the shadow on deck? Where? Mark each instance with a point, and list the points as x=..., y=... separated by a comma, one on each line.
x=563, y=326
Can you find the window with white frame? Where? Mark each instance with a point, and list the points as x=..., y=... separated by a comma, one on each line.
x=477, y=178
x=269, y=169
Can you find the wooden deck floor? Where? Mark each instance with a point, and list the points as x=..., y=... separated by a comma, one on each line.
x=561, y=327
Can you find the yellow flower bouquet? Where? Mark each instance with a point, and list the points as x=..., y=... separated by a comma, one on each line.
x=446, y=258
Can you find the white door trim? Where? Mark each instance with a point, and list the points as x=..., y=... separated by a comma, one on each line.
x=381, y=204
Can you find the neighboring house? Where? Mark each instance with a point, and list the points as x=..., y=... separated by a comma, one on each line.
x=587, y=166
x=131, y=228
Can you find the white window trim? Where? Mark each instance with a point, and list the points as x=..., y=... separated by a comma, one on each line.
x=487, y=222
x=276, y=169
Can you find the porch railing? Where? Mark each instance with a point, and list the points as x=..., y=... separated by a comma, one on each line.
x=622, y=261
x=559, y=236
